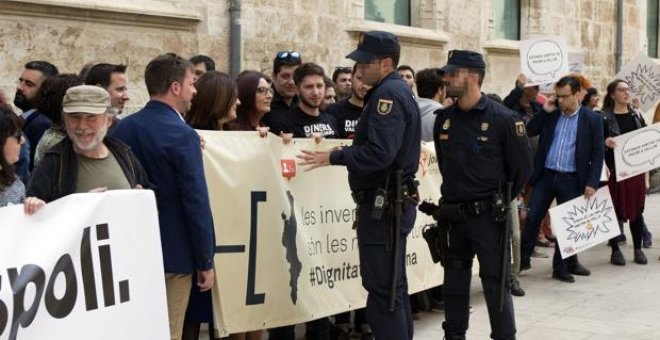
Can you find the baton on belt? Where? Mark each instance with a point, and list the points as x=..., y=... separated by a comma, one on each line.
x=398, y=210
x=505, y=245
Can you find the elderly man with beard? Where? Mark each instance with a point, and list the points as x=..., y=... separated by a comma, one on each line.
x=87, y=160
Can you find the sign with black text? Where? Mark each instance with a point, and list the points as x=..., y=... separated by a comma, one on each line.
x=87, y=266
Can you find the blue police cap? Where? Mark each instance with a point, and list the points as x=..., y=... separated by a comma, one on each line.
x=374, y=44
x=464, y=59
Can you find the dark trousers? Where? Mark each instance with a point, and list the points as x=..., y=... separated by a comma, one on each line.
x=315, y=330
x=345, y=318
x=480, y=235
x=552, y=185
x=375, y=244
x=636, y=229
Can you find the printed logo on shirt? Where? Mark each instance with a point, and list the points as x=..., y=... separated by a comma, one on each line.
x=446, y=125
x=349, y=125
x=520, y=129
x=484, y=126
x=322, y=128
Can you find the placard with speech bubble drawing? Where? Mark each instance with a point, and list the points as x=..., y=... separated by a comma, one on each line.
x=643, y=76
x=543, y=60
x=637, y=152
x=581, y=223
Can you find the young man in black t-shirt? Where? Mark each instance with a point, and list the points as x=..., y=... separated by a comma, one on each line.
x=347, y=111
x=306, y=120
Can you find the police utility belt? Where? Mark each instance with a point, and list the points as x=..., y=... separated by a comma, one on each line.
x=380, y=199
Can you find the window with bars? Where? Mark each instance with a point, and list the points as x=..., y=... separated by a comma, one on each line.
x=507, y=19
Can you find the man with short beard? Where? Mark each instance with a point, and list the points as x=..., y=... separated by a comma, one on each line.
x=34, y=123
x=306, y=120
x=342, y=79
x=87, y=160
x=347, y=111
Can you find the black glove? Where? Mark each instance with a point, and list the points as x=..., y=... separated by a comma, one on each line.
x=428, y=208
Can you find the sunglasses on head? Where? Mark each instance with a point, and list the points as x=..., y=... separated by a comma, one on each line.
x=288, y=55
x=344, y=69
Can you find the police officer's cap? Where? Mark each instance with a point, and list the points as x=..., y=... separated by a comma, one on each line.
x=375, y=44
x=464, y=59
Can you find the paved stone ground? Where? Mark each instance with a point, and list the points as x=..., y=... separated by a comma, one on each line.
x=620, y=303
x=613, y=303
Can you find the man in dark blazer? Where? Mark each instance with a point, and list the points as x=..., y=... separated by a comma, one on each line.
x=568, y=164
x=170, y=153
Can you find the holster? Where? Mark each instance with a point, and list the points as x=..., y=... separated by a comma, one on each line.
x=437, y=238
x=454, y=212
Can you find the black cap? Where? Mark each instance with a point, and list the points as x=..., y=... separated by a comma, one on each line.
x=374, y=44
x=464, y=59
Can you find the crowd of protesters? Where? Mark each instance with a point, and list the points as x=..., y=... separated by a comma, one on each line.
x=68, y=133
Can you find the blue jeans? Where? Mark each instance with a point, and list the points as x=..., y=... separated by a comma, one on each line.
x=552, y=185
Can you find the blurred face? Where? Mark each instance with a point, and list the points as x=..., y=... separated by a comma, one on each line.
x=621, y=94
x=566, y=100
x=408, y=77
x=12, y=147
x=594, y=101
x=199, y=70
x=456, y=82
x=371, y=72
x=329, y=98
x=311, y=91
x=28, y=84
x=359, y=88
x=263, y=96
x=184, y=91
x=343, y=84
x=86, y=130
x=531, y=92
x=118, y=91
x=283, y=81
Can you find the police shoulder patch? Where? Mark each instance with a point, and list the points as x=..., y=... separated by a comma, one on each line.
x=385, y=106
x=520, y=129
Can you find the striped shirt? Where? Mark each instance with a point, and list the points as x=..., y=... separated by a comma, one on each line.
x=561, y=156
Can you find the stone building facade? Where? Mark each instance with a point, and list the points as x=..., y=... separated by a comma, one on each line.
x=71, y=33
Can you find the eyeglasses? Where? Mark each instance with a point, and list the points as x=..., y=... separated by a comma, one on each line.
x=288, y=55
x=623, y=89
x=264, y=90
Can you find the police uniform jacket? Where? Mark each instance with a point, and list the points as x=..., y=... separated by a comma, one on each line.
x=387, y=136
x=479, y=151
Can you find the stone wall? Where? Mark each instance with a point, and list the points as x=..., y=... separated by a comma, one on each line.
x=73, y=32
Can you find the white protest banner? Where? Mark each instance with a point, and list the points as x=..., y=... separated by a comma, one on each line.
x=87, y=266
x=543, y=60
x=286, y=249
x=637, y=152
x=643, y=76
x=581, y=223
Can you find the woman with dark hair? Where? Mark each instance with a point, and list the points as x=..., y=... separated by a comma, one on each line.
x=12, y=190
x=628, y=196
x=49, y=102
x=255, y=93
x=214, y=105
x=212, y=108
x=591, y=99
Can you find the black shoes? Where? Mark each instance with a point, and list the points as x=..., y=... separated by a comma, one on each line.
x=563, y=276
x=525, y=265
x=617, y=258
x=516, y=290
x=578, y=269
x=640, y=258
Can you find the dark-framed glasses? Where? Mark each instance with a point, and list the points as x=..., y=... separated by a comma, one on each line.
x=264, y=90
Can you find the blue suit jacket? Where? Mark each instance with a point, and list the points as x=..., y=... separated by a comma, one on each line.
x=170, y=152
x=590, y=147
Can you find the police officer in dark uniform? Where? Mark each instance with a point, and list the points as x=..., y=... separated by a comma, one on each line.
x=481, y=146
x=387, y=141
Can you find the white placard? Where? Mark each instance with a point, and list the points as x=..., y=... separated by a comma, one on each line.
x=575, y=62
x=87, y=266
x=581, y=223
x=637, y=152
x=543, y=60
x=643, y=76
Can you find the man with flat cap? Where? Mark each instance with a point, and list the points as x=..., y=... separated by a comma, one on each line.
x=481, y=147
x=386, y=148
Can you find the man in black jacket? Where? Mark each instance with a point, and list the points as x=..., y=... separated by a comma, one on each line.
x=87, y=160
